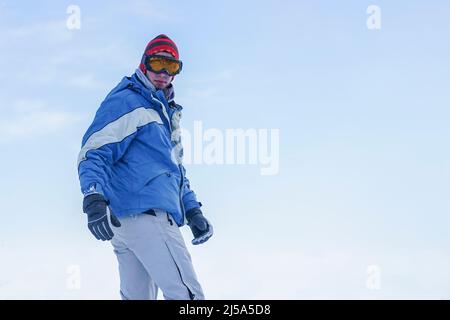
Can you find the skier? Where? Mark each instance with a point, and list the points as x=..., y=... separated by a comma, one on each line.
x=135, y=188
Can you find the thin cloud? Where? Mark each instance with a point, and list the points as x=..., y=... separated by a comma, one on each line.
x=145, y=9
x=207, y=86
x=30, y=118
x=85, y=81
x=54, y=31
x=220, y=76
x=204, y=93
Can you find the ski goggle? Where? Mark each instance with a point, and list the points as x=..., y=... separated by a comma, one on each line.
x=159, y=64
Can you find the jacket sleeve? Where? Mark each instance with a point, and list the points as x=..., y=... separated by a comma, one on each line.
x=107, y=139
x=189, y=196
x=104, y=143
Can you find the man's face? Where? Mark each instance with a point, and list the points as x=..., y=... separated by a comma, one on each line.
x=160, y=80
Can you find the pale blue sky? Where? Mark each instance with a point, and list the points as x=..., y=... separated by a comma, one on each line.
x=364, y=158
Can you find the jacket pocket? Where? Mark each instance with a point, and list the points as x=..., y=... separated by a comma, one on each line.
x=150, y=180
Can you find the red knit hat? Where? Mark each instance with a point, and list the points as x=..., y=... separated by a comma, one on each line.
x=158, y=44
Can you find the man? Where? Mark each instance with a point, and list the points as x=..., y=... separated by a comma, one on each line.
x=136, y=193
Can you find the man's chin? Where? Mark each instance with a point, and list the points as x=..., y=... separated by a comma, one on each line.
x=160, y=85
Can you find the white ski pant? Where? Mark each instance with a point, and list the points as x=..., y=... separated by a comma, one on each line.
x=152, y=254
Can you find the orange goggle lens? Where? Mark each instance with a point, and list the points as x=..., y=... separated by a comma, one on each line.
x=160, y=64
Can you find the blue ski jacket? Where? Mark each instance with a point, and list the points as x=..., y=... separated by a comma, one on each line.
x=131, y=152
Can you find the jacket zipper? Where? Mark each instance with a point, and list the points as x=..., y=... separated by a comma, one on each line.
x=166, y=115
x=179, y=168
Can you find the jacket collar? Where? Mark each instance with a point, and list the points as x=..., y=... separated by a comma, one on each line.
x=169, y=92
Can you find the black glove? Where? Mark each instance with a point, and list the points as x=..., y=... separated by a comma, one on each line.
x=95, y=206
x=200, y=227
